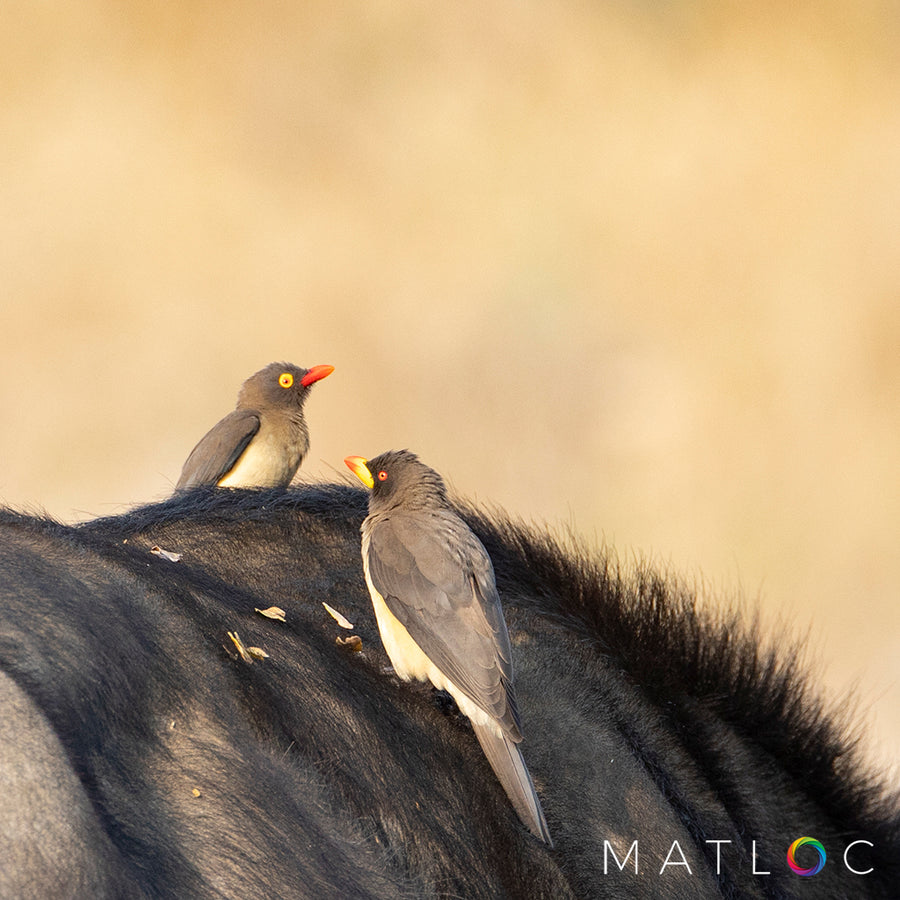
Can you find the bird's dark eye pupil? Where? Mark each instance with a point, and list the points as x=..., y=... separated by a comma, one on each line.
x=382, y=475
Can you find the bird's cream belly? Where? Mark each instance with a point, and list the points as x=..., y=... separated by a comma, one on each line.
x=264, y=463
x=410, y=663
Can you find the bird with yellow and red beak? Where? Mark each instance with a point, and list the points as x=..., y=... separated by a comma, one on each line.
x=263, y=441
x=438, y=611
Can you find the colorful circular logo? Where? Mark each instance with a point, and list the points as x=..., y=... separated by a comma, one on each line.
x=802, y=842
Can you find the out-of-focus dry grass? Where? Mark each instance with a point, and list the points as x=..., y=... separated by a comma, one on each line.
x=633, y=267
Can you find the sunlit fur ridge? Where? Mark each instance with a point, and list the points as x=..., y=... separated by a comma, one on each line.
x=703, y=667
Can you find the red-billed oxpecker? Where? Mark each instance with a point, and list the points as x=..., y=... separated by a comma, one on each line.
x=263, y=441
x=438, y=611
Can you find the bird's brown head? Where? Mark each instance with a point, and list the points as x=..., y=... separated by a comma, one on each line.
x=280, y=385
x=396, y=477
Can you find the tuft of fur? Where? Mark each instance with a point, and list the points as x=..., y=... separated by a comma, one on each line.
x=705, y=669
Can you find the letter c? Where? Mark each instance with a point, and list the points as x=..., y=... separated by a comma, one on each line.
x=847, y=864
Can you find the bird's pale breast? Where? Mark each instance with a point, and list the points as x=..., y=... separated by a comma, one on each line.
x=265, y=463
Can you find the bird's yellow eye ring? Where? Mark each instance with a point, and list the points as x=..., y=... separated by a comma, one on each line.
x=382, y=475
x=285, y=379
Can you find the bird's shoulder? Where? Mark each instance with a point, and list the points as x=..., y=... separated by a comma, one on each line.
x=426, y=533
x=429, y=549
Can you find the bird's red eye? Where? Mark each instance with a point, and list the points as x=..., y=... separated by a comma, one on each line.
x=285, y=379
x=382, y=475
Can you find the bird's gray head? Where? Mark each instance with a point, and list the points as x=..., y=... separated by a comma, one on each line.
x=280, y=385
x=399, y=477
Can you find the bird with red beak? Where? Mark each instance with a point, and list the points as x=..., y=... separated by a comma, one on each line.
x=438, y=611
x=263, y=441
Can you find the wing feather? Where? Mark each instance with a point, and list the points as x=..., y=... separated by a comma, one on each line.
x=219, y=449
x=437, y=579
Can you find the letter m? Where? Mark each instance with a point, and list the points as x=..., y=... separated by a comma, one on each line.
x=608, y=848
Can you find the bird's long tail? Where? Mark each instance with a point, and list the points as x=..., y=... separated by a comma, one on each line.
x=506, y=760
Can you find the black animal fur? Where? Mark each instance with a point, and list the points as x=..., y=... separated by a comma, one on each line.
x=320, y=776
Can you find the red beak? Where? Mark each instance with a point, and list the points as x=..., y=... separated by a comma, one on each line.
x=316, y=373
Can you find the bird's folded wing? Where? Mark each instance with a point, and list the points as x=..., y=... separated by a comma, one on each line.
x=438, y=586
x=219, y=449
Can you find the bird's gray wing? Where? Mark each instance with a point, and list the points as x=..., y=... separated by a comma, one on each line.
x=436, y=578
x=219, y=449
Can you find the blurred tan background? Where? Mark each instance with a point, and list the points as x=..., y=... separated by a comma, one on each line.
x=629, y=267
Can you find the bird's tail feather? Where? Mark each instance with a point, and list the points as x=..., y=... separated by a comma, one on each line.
x=509, y=766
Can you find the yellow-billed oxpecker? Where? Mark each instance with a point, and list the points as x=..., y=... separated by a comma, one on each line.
x=263, y=441
x=438, y=611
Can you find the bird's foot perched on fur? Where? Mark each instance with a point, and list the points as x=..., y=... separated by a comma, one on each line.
x=444, y=701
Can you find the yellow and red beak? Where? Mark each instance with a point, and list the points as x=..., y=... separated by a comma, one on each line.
x=316, y=373
x=357, y=465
